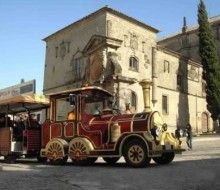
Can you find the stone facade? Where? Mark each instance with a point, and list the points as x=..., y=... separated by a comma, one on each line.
x=187, y=41
x=116, y=52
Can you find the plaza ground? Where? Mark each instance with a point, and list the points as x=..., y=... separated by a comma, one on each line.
x=198, y=169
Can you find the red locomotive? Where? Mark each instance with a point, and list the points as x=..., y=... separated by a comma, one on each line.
x=95, y=129
x=19, y=133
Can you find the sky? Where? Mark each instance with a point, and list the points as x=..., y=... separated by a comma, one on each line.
x=24, y=23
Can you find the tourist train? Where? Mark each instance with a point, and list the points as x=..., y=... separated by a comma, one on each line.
x=84, y=124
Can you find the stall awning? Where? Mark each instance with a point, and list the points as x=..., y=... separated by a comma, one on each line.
x=23, y=103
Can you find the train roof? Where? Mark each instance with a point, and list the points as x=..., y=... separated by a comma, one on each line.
x=23, y=103
x=82, y=89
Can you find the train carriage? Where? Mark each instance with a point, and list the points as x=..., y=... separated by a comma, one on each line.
x=96, y=129
x=20, y=137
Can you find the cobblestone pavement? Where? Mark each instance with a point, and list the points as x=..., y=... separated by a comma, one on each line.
x=198, y=169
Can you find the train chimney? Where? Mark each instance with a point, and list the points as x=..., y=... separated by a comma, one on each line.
x=145, y=84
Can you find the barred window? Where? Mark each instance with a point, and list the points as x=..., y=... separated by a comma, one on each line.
x=77, y=68
x=133, y=63
x=164, y=104
x=166, y=66
x=203, y=87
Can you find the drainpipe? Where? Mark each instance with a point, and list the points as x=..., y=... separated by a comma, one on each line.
x=145, y=84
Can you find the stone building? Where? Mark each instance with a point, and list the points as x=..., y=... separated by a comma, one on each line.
x=110, y=49
x=186, y=42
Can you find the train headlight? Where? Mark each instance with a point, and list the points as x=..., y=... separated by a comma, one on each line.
x=157, y=132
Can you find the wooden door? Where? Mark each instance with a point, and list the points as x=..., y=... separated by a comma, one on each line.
x=204, y=122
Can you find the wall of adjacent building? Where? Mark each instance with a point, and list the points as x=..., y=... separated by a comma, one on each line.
x=58, y=68
x=186, y=104
x=187, y=42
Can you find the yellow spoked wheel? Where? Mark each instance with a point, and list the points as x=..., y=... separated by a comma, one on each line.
x=79, y=151
x=135, y=153
x=55, y=151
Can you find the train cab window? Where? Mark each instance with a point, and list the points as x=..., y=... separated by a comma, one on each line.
x=62, y=109
x=93, y=108
x=95, y=104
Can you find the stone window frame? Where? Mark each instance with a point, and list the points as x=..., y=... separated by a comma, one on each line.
x=77, y=67
x=143, y=46
x=134, y=63
x=165, y=105
x=166, y=66
x=203, y=87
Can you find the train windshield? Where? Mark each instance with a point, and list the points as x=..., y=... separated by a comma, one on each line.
x=62, y=109
x=94, y=104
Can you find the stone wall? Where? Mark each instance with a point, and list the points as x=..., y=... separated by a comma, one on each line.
x=187, y=42
x=103, y=46
x=184, y=104
x=64, y=46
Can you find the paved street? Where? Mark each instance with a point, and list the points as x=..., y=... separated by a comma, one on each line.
x=198, y=169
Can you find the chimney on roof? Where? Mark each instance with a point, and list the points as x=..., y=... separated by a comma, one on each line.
x=184, y=28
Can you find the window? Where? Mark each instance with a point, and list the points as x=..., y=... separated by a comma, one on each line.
x=133, y=100
x=133, y=63
x=166, y=66
x=62, y=109
x=143, y=47
x=95, y=103
x=77, y=68
x=38, y=117
x=164, y=104
x=203, y=87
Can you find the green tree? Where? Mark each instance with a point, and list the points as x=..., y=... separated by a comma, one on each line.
x=209, y=60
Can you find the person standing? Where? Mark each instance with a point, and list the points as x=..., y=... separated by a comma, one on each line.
x=189, y=136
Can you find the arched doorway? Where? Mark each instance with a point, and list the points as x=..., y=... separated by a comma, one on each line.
x=205, y=123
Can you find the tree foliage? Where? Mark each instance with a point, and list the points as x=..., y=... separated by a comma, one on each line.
x=209, y=60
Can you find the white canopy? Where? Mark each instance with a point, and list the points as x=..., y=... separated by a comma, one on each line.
x=23, y=103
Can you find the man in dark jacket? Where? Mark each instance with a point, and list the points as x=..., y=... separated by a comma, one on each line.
x=189, y=136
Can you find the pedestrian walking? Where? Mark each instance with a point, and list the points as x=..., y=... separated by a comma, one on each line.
x=189, y=136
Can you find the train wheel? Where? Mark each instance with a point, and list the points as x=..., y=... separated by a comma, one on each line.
x=110, y=160
x=79, y=151
x=166, y=158
x=55, y=151
x=135, y=154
